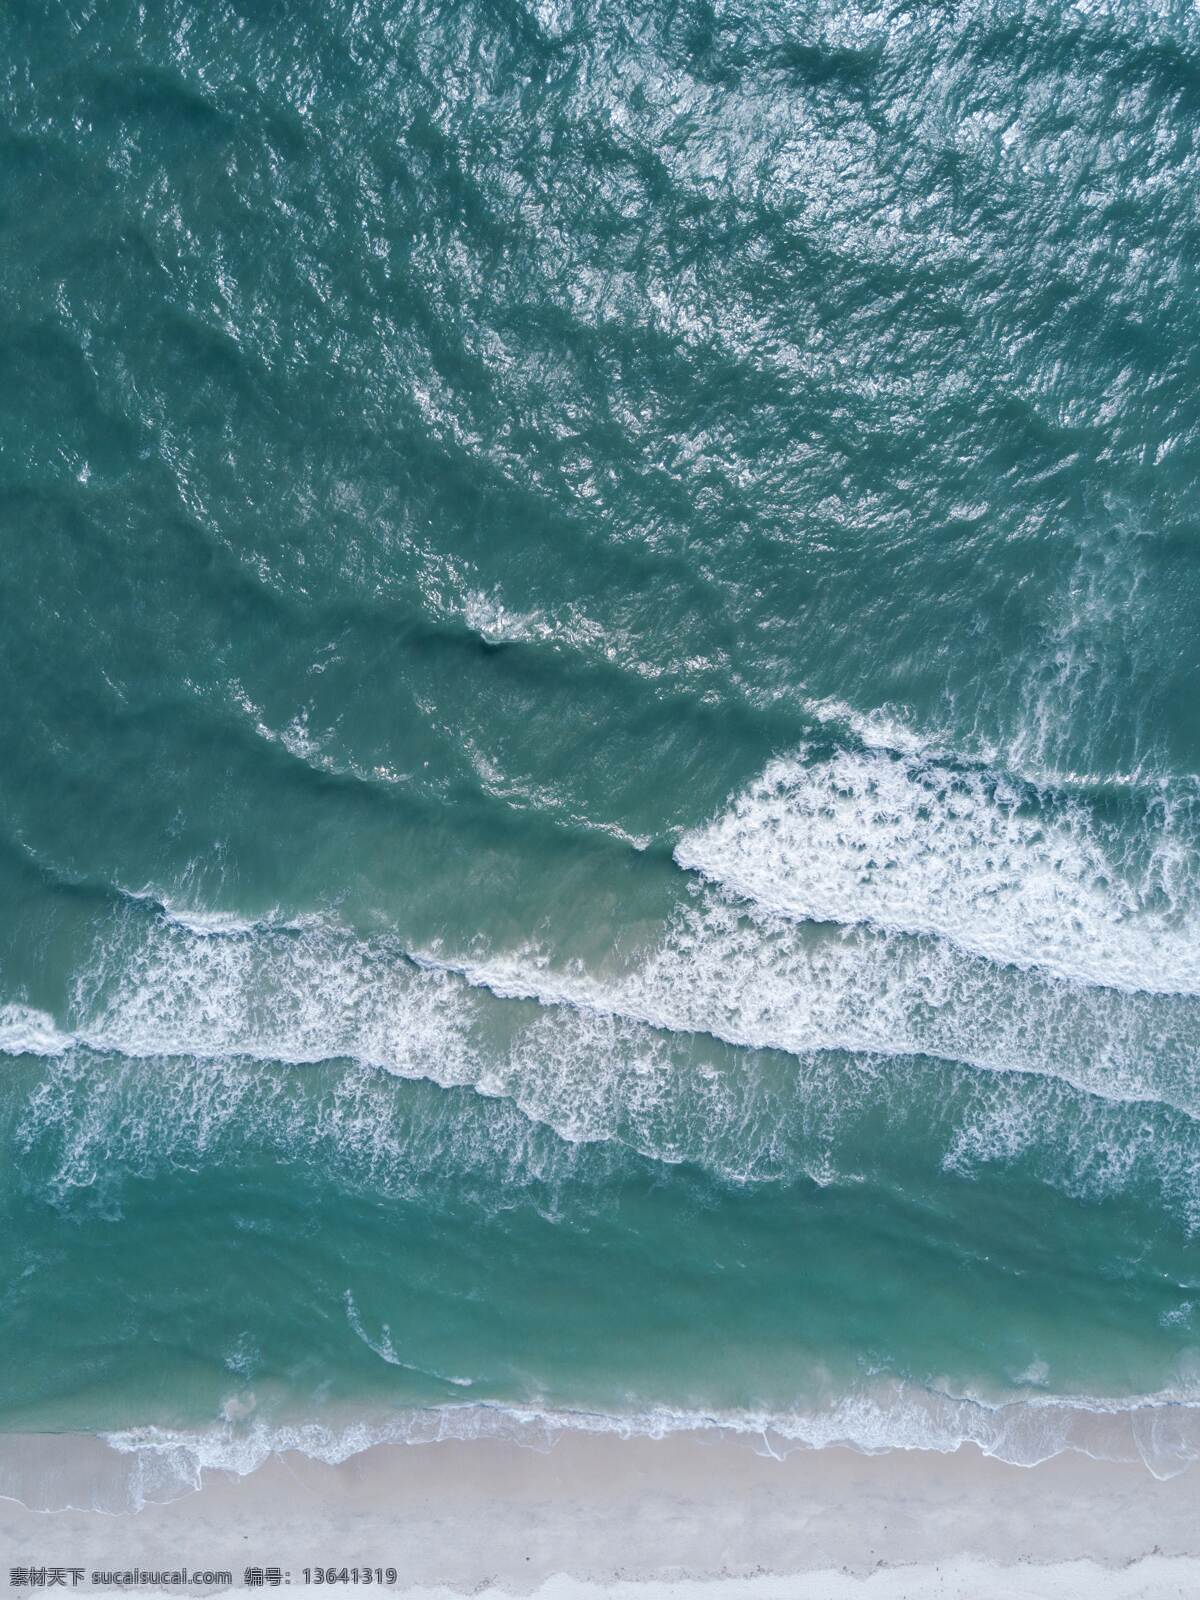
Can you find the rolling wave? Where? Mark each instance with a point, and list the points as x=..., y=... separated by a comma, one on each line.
x=178, y=983
x=739, y=1042
x=919, y=846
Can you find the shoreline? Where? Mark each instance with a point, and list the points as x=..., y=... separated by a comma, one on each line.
x=118, y=1469
x=598, y=1514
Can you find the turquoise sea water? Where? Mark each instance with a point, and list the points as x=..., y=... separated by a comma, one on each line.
x=598, y=697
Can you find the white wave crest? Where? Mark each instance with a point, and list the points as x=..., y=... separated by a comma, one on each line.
x=758, y=981
x=299, y=993
x=25, y=1031
x=921, y=847
x=675, y=1057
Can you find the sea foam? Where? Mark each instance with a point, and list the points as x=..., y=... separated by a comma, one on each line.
x=738, y=1040
x=920, y=846
x=151, y=1465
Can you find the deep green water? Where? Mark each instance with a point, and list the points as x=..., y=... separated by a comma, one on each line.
x=599, y=720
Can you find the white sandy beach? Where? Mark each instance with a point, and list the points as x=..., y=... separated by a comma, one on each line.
x=646, y=1519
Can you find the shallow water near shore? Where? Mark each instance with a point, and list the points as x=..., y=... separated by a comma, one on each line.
x=600, y=813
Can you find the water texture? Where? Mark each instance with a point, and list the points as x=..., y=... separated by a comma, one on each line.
x=599, y=809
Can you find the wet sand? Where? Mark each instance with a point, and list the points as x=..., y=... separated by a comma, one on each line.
x=598, y=1515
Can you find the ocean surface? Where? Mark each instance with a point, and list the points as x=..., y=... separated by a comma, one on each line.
x=600, y=718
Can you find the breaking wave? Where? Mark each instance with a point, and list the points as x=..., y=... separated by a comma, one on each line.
x=994, y=866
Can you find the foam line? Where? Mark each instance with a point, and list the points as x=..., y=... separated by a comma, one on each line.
x=151, y=1465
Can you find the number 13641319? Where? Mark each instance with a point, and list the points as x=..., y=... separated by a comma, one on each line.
x=349, y=1574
